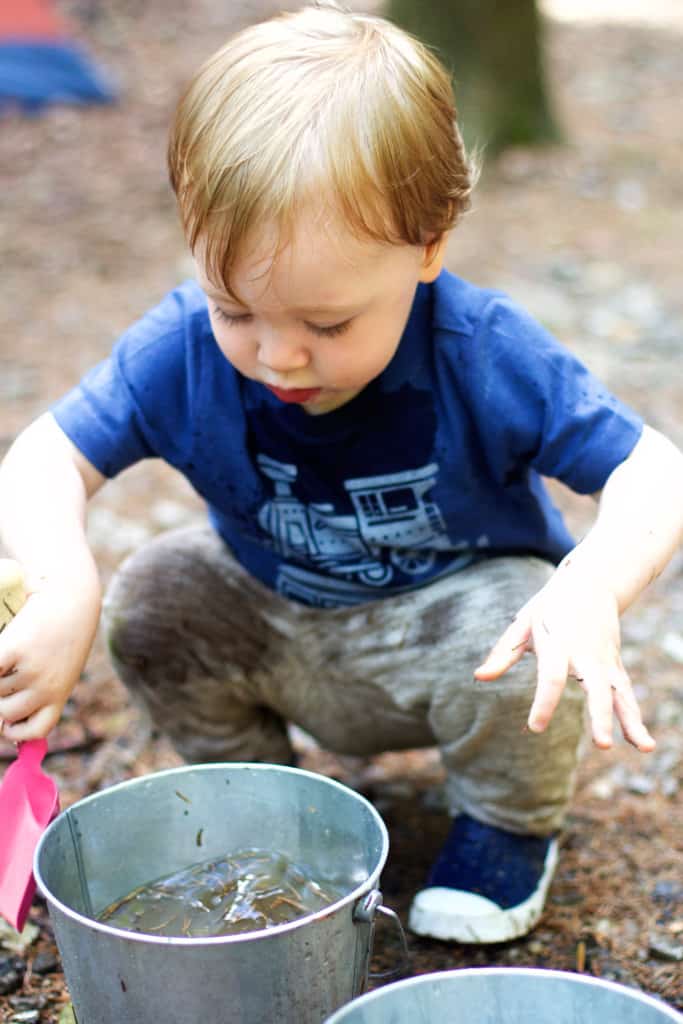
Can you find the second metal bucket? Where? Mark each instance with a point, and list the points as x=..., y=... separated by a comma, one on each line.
x=297, y=973
x=505, y=995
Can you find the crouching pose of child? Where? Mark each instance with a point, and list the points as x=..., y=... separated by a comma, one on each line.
x=369, y=433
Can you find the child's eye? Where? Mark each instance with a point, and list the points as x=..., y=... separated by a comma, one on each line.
x=231, y=318
x=332, y=330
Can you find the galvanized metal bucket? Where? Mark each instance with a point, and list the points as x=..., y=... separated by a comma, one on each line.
x=505, y=995
x=298, y=973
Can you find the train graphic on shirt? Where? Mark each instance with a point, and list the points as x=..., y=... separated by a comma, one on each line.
x=392, y=515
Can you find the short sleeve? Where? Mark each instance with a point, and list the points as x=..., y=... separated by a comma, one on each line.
x=536, y=405
x=137, y=403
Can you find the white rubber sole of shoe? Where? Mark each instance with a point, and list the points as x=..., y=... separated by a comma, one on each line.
x=456, y=916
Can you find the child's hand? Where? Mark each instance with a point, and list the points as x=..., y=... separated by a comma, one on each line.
x=42, y=654
x=572, y=625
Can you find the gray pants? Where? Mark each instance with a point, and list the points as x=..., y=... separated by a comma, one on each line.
x=223, y=663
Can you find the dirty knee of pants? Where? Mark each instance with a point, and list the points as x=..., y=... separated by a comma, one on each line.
x=182, y=633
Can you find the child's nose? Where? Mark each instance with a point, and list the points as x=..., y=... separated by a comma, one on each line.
x=281, y=351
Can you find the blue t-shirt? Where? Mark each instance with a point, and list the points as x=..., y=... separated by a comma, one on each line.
x=435, y=464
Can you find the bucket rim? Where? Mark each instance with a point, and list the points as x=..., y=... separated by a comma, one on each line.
x=214, y=940
x=360, y=1002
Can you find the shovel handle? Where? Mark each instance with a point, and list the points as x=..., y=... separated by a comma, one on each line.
x=12, y=590
x=32, y=752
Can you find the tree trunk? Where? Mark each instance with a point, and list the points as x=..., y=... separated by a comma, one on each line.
x=494, y=50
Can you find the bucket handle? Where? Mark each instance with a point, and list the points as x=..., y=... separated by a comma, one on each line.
x=365, y=912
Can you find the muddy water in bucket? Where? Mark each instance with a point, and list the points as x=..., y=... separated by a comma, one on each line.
x=298, y=972
x=505, y=995
x=247, y=891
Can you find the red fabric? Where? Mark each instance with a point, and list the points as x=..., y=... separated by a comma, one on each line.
x=30, y=19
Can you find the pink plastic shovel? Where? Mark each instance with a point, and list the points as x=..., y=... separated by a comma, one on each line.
x=28, y=797
x=28, y=802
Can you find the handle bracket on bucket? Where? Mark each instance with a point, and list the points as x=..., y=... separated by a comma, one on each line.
x=365, y=910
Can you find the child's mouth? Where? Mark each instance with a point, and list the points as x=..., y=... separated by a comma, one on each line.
x=297, y=395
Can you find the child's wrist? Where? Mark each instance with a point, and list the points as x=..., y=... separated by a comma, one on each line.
x=593, y=565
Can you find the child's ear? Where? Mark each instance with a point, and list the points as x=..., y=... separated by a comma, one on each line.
x=432, y=260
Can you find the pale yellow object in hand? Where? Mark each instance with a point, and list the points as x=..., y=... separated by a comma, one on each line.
x=12, y=590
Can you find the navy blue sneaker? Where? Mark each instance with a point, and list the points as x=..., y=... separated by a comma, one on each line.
x=488, y=885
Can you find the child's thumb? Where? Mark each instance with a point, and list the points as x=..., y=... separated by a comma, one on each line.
x=507, y=650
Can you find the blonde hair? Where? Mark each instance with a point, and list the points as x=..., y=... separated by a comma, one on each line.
x=318, y=104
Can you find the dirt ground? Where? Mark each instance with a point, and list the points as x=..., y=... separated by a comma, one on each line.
x=586, y=234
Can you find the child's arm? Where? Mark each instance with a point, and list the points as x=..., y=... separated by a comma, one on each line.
x=45, y=483
x=572, y=624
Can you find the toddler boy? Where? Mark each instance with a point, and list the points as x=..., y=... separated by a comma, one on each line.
x=369, y=433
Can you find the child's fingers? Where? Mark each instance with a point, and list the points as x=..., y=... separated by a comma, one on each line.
x=9, y=683
x=33, y=727
x=507, y=650
x=629, y=715
x=608, y=691
x=18, y=705
x=8, y=658
x=553, y=667
x=595, y=682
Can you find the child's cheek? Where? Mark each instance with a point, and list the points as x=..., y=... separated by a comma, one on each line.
x=232, y=348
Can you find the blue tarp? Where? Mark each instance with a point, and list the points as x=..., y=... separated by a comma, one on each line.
x=33, y=74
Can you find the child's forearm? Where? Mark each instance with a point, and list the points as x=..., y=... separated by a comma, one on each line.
x=572, y=623
x=44, y=486
x=43, y=498
x=639, y=524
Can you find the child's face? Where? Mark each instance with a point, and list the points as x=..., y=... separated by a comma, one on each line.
x=322, y=318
